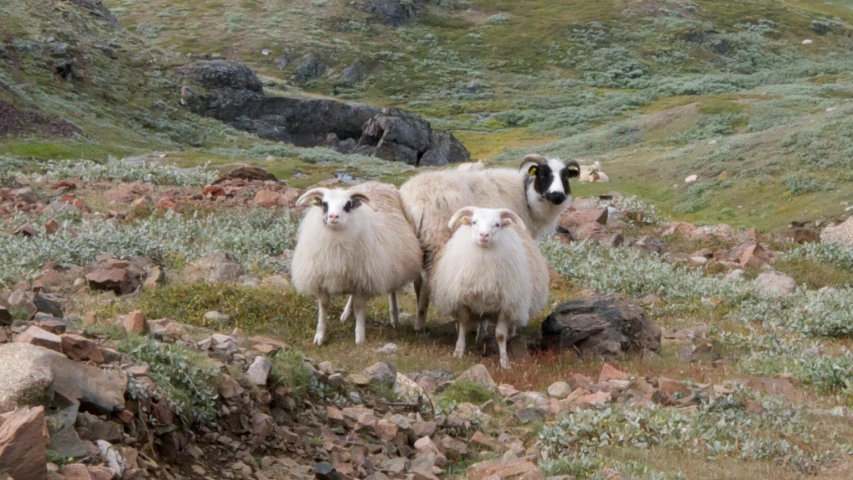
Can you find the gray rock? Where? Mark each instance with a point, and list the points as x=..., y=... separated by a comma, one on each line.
x=90, y=427
x=529, y=415
x=478, y=374
x=647, y=245
x=776, y=284
x=27, y=384
x=218, y=319
x=309, y=68
x=394, y=13
x=381, y=373
x=355, y=73
x=97, y=9
x=259, y=371
x=559, y=390
x=326, y=471
x=600, y=326
x=445, y=149
x=216, y=74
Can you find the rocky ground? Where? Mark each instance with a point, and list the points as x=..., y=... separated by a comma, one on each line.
x=136, y=342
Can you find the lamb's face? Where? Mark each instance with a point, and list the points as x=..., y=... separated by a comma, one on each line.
x=486, y=225
x=549, y=179
x=338, y=205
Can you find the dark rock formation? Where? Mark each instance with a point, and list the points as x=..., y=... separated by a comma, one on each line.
x=231, y=92
x=601, y=326
x=394, y=13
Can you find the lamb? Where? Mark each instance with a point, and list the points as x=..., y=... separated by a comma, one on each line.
x=593, y=174
x=538, y=193
x=490, y=269
x=344, y=248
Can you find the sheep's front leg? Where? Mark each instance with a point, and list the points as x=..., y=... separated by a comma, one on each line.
x=501, y=331
x=394, y=309
x=323, y=301
x=462, y=321
x=482, y=329
x=422, y=292
x=347, y=310
x=359, y=305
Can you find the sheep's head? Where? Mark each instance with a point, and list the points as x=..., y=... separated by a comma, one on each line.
x=485, y=223
x=548, y=179
x=337, y=204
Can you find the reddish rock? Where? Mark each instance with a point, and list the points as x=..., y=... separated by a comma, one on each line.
x=777, y=386
x=266, y=198
x=134, y=322
x=66, y=184
x=101, y=473
x=23, y=442
x=51, y=226
x=143, y=200
x=25, y=230
x=119, y=280
x=590, y=231
x=608, y=372
x=386, y=430
x=246, y=173
x=496, y=470
x=572, y=218
x=597, y=398
x=213, y=192
x=480, y=439
x=75, y=471
x=672, y=388
x=76, y=347
x=704, y=253
x=41, y=338
x=166, y=203
x=751, y=254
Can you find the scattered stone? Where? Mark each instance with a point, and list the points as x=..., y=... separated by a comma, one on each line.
x=559, y=390
x=529, y=415
x=259, y=371
x=23, y=442
x=407, y=390
x=387, y=348
x=776, y=284
x=134, y=322
x=498, y=470
x=93, y=428
x=841, y=234
x=425, y=445
x=608, y=372
x=600, y=325
x=80, y=348
x=41, y=338
x=326, y=471
x=478, y=374
x=691, y=178
x=118, y=280
x=381, y=373
x=647, y=245
x=594, y=399
x=246, y=173
x=386, y=430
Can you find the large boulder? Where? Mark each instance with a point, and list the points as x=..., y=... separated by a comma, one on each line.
x=26, y=384
x=775, y=284
x=395, y=13
x=444, y=149
x=309, y=68
x=600, y=326
x=841, y=234
x=216, y=74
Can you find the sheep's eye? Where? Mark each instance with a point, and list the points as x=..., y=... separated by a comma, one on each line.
x=498, y=225
x=316, y=201
x=474, y=222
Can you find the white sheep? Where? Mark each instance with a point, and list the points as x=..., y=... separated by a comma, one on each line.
x=593, y=174
x=539, y=192
x=344, y=248
x=489, y=269
x=479, y=165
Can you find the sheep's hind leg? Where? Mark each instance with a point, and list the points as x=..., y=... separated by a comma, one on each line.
x=323, y=301
x=501, y=332
x=422, y=292
x=462, y=321
x=394, y=309
x=347, y=310
x=359, y=304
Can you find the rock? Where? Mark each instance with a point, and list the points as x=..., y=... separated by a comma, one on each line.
x=386, y=430
x=355, y=73
x=600, y=325
x=309, y=68
x=455, y=449
x=394, y=13
x=80, y=348
x=134, y=322
x=841, y=234
x=41, y=338
x=259, y=371
x=23, y=442
x=424, y=428
x=246, y=173
x=775, y=386
x=691, y=178
x=155, y=278
x=28, y=383
x=432, y=381
x=559, y=390
x=750, y=254
x=267, y=199
x=387, y=348
x=220, y=267
x=32, y=303
x=119, y=280
x=216, y=74
x=498, y=470
x=776, y=284
x=218, y=320
x=478, y=374
x=445, y=149
x=530, y=415
x=407, y=390
x=90, y=427
x=647, y=245
x=5, y=316
x=426, y=445
x=608, y=372
x=593, y=399
x=573, y=217
x=381, y=373
x=26, y=230
x=480, y=439
x=326, y=471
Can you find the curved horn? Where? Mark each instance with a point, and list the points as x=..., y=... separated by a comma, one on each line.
x=318, y=192
x=458, y=215
x=507, y=213
x=362, y=198
x=574, y=168
x=534, y=158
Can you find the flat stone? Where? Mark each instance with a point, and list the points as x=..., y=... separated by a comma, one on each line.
x=259, y=371
x=81, y=348
x=478, y=374
x=40, y=338
x=134, y=322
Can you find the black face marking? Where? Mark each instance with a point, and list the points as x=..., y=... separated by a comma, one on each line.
x=348, y=206
x=325, y=207
x=542, y=179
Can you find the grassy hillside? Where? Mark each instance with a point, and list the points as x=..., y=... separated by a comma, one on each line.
x=655, y=89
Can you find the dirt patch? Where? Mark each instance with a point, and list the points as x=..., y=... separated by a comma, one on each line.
x=15, y=122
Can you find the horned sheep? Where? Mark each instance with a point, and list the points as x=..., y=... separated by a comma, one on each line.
x=490, y=269
x=538, y=193
x=344, y=247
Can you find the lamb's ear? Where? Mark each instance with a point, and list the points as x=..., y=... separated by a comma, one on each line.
x=313, y=194
x=462, y=216
x=531, y=162
x=358, y=199
x=508, y=217
x=573, y=169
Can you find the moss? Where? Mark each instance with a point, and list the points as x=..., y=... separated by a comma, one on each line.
x=289, y=370
x=463, y=391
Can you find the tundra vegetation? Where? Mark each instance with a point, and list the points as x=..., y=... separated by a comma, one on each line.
x=655, y=90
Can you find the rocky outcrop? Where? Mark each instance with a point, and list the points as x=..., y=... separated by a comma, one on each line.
x=600, y=326
x=231, y=92
x=394, y=13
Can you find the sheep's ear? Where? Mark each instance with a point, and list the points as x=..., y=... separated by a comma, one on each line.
x=360, y=198
x=573, y=169
x=463, y=217
x=508, y=217
x=531, y=163
x=315, y=195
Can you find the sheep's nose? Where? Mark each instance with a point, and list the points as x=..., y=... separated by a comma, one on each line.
x=556, y=197
x=333, y=216
x=484, y=236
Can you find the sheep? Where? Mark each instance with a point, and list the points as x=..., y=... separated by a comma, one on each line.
x=593, y=174
x=479, y=165
x=491, y=269
x=539, y=192
x=344, y=248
